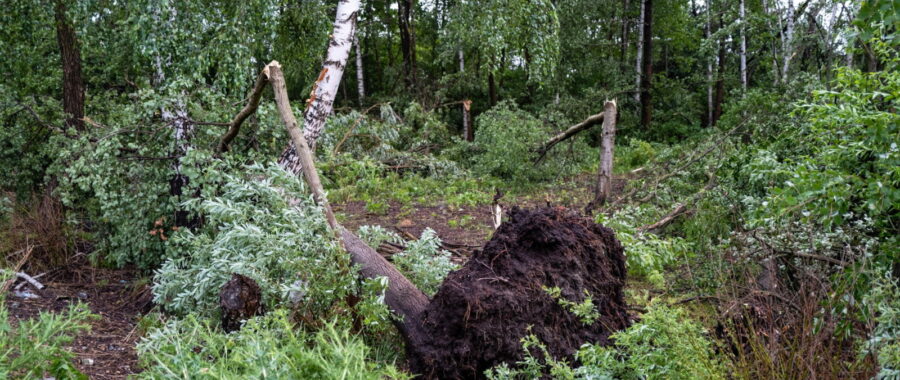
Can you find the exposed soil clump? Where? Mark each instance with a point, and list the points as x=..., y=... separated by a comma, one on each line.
x=482, y=311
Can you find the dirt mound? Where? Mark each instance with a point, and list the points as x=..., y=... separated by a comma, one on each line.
x=482, y=311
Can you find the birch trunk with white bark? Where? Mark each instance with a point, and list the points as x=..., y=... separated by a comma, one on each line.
x=743, y=48
x=787, y=41
x=640, y=54
x=321, y=100
x=360, y=77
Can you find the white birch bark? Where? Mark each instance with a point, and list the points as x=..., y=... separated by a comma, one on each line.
x=360, y=75
x=787, y=41
x=743, y=48
x=321, y=101
x=640, y=55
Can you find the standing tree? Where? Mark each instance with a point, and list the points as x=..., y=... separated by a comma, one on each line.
x=647, y=73
x=407, y=40
x=70, y=54
x=321, y=99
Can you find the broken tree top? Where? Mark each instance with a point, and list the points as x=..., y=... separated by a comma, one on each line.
x=482, y=311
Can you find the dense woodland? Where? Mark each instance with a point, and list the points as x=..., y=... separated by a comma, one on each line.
x=345, y=167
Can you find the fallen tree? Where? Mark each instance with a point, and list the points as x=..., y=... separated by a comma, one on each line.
x=480, y=313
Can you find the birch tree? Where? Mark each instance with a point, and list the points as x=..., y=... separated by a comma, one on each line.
x=743, y=21
x=321, y=100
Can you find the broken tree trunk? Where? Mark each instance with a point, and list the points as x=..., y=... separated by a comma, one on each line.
x=402, y=297
x=321, y=100
x=607, y=144
x=252, y=104
x=565, y=135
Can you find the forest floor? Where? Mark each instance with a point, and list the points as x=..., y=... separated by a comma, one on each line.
x=120, y=297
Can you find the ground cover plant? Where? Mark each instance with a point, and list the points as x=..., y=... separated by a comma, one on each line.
x=572, y=189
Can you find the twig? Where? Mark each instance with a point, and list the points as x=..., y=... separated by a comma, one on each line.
x=31, y=280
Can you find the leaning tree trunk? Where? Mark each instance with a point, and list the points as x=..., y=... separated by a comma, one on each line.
x=321, y=101
x=607, y=145
x=647, y=75
x=70, y=55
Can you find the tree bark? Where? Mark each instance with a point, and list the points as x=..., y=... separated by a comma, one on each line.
x=720, y=86
x=639, y=54
x=402, y=297
x=468, y=133
x=252, y=104
x=647, y=75
x=407, y=41
x=360, y=74
x=709, y=69
x=623, y=54
x=569, y=132
x=70, y=55
x=743, y=47
x=787, y=41
x=607, y=146
x=321, y=101
x=492, y=89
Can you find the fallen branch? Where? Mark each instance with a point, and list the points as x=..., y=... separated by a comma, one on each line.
x=15, y=269
x=680, y=208
x=252, y=104
x=562, y=136
x=337, y=147
x=31, y=280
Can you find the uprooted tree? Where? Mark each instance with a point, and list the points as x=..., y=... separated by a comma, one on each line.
x=480, y=312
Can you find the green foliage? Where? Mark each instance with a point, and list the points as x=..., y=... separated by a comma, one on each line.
x=424, y=262
x=267, y=228
x=35, y=347
x=584, y=310
x=632, y=154
x=268, y=347
x=884, y=342
x=664, y=344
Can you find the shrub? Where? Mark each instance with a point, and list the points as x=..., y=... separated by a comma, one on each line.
x=425, y=263
x=36, y=347
x=267, y=347
x=665, y=344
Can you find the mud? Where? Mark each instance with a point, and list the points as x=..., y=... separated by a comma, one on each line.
x=482, y=311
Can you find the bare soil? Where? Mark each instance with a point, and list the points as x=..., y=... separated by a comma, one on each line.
x=107, y=351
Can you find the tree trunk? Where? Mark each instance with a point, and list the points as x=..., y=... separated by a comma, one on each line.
x=70, y=55
x=468, y=133
x=709, y=70
x=321, y=101
x=623, y=54
x=647, y=75
x=407, y=41
x=639, y=54
x=401, y=296
x=743, y=48
x=360, y=75
x=492, y=89
x=607, y=145
x=720, y=86
x=787, y=41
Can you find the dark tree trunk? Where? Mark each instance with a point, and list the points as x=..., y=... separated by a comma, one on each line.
x=647, y=75
x=70, y=55
x=720, y=87
x=407, y=41
x=623, y=54
x=492, y=89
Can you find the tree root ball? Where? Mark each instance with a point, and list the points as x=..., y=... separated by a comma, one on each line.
x=240, y=299
x=480, y=314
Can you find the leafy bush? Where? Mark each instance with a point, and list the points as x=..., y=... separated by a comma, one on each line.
x=665, y=344
x=265, y=226
x=35, y=347
x=267, y=347
x=884, y=342
x=424, y=262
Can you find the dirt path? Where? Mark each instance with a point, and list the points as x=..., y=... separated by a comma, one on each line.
x=107, y=351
